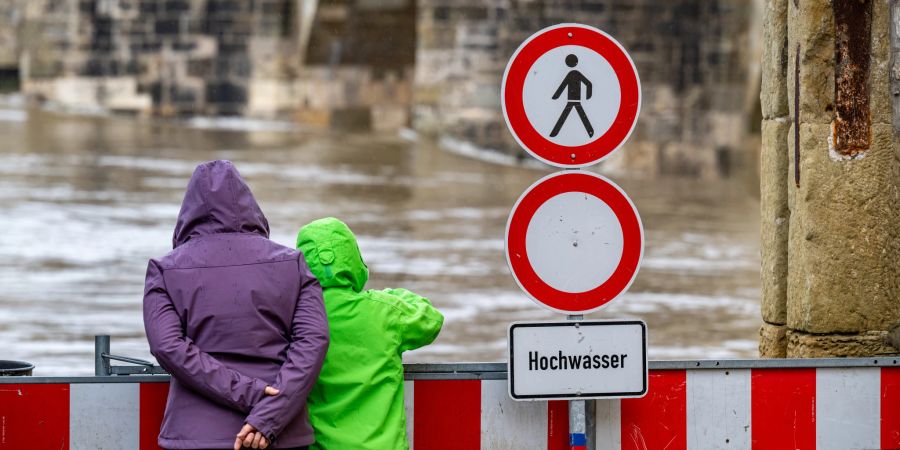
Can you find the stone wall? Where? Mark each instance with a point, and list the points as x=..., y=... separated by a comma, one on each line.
x=830, y=179
x=166, y=57
x=10, y=18
x=325, y=64
x=695, y=60
x=373, y=62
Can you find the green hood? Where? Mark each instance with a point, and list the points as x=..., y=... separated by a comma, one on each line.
x=332, y=254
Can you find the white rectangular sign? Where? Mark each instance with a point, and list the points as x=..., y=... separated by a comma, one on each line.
x=577, y=359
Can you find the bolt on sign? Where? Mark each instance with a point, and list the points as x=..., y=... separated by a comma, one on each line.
x=574, y=240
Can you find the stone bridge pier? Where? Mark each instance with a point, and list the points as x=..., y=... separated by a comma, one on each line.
x=830, y=178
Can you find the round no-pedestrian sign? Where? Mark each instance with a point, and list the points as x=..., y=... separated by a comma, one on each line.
x=571, y=95
x=574, y=242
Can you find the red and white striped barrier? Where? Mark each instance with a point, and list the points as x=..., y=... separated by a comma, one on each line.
x=825, y=408
x=764, y=408
x=82, y=415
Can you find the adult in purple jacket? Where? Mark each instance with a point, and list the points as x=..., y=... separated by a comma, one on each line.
x=227, y=313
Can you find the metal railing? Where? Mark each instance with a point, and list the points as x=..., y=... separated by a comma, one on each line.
x=103, y=361
x=497, y=371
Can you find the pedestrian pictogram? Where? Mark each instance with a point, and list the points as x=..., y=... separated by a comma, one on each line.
x=572, y=85
x=571, y=95
x=574, y=242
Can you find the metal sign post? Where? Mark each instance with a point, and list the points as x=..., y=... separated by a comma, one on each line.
x=579, y=434
x=571, y=97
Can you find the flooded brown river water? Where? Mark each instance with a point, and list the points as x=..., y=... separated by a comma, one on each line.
x=86, y=200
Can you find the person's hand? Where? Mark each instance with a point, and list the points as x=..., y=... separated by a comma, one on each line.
x=250, y=437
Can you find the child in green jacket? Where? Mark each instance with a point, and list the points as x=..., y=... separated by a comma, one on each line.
x=357, y=402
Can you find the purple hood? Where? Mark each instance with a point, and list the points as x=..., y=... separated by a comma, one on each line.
x=218, y=200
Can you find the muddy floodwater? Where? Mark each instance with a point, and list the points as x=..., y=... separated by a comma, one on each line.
x=86, y=200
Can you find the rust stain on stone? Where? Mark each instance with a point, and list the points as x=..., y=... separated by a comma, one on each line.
x=852, y=124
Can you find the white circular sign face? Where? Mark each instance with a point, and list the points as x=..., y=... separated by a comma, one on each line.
x=574, y=242
x=582, y=100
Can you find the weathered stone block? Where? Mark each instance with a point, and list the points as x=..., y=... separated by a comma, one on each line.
x=773, y=91
x=772, y=341
x=177, y=6
x=149, y=6
x=225, y=92
x=268, y=97
x=811, y=30
x=870, y=343
x=775, y=217
x=352, y=119
x=121, y=94
x=320, y=118
x=167, y=26
x=389, y=117
x=844, y=237
x=792, y=142
x=879, y=68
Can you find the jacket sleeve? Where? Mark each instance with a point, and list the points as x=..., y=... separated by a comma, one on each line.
x=178, y=354
x=298, y=374
x=419, y=323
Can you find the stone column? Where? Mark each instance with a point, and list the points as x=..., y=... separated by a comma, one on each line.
x=773, y=180
x=830, y=181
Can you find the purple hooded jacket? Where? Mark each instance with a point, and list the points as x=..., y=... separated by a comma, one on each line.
x=228, y=312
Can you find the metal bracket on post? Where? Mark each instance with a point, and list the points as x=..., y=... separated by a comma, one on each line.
x=581, y=418
x=102, y=359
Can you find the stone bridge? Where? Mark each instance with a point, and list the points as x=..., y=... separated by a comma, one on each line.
x=433, y=65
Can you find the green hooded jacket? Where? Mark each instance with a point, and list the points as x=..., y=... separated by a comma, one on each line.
x=357, y=403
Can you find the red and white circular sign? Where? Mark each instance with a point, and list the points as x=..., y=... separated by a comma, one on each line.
x=574, y=242
x=571, y=95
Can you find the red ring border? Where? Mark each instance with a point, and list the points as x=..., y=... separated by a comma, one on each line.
x=517, y=227
x=514, y=82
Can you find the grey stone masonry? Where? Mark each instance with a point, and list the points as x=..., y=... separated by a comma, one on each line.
x=376, y=63
x=346, y=59
x=175, y=56
x=693, y=57
x=831, y=271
